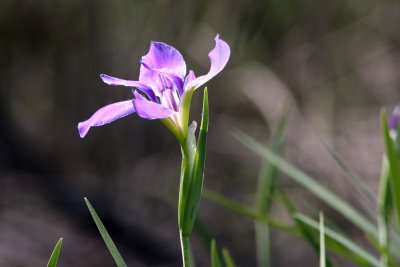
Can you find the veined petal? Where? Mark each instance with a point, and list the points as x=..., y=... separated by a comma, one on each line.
x=161, y=57
x=106, y=115
x=140, y=85
x=150, y=110
x=219, y=56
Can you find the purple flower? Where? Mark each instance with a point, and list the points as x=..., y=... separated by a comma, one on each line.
x=162, y=84
x=394, y=119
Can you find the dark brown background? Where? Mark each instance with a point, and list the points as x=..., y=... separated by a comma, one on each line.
x=337, y=61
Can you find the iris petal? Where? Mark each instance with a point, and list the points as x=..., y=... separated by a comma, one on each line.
x=106, y=115
x=219, y=56
x=161, y=57
x=139, y=85
x=150, y=110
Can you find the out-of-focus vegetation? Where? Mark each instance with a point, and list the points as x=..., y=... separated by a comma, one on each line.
x=337, y=62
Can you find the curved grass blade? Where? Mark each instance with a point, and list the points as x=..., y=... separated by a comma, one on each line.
x=310, y=184
x=54, y=256
x=242, y=209
x=106, y=237
x=394, y=166
x=359, y=255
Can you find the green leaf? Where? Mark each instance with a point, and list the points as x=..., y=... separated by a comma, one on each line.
x=215, y=260
x=197, y=175
x=106, y=237
x=228, y=258
x=322, y=257
x=310, y=184
x=394, y=166
x=54, y=256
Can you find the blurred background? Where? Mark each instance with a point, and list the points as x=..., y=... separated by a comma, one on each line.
x=336, y=62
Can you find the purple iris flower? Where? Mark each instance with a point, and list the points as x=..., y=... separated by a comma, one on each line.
x=394, y=119
x=162, y=84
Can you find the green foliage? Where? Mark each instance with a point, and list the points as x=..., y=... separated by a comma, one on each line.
x=54, y=256
x=394, y=166
x=106, y=237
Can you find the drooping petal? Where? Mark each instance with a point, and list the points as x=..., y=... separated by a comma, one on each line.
x=139, y=85
x=106, y=115
x=219, y=56
x=150, y=110
x=161, y=57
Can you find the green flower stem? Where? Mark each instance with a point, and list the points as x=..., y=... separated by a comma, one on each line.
x=185, y=246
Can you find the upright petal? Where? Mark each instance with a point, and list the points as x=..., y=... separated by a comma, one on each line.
x=139, y=85
x=106, y=115
x=150, y=110
x=161, y=57
x=190, y=77
x=219, y=56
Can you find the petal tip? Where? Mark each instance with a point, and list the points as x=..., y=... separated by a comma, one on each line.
x=83, y=129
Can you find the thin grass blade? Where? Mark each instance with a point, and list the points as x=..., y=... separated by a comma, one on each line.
x=215, y=260
x=322, y=256
x=106, y=237
x=228, y=258
x=54, y=256
x=265, y=190
x=310, y=184
x=341, y=239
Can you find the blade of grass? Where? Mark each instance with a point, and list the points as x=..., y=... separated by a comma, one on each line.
x=340, y=239
x=215, y=260
x=322, y=256
x=265, y=190
x=394, y=166
x=384, y=205
x=228, y=258
x=369, y=200
x=308, y=236
x=242, y=209
x=310, y=184
x=357, y=251
x=54, y=256
x=106, y=237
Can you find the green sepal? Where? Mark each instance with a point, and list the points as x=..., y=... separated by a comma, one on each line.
x=197, y=174
x=54, y=256
x=106, y=237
